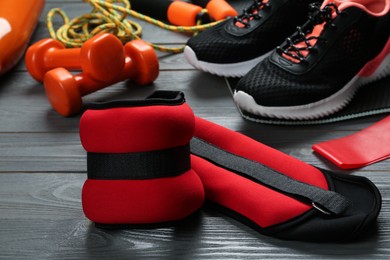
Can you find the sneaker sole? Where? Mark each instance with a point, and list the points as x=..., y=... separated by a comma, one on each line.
x=225, y=70
x=378, y=68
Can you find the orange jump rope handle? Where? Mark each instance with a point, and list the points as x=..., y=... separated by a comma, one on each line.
x=102, y=57
x=220, y=9
x=217, y=9
x=181, y=13
x=18, y=19
x=65, y=90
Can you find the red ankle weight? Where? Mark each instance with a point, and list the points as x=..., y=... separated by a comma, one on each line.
x=277, y=194
x=138, y=161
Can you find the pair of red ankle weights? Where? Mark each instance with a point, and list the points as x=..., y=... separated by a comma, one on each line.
x=152, y=161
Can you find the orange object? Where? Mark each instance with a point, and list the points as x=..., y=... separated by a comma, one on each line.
x=102, y=57
x=18, y=19
x=182, y=13
x=65, y=90
x=220, y=9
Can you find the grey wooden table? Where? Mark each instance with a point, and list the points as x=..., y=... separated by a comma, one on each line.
x=43, y=167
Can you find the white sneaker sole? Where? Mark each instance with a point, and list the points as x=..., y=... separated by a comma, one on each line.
x=317, y=109
x=225, y=70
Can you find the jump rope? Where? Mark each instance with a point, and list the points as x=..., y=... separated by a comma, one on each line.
x=110, y=16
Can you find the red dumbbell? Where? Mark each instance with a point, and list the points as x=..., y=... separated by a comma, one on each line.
x=65, y=90
x=102, y=57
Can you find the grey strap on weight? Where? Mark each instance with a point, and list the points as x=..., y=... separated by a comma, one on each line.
x=326, y=201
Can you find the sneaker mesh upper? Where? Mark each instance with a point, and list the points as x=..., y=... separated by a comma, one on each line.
x=219, y=45
x=271, y=85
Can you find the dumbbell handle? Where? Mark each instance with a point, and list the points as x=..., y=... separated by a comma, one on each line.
x=68, y=58
x=65, y=90
x=88, y=85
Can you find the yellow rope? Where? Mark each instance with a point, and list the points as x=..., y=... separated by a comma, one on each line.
x=109, y=16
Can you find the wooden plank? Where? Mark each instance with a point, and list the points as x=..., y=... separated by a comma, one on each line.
x=41, y=152
x=42, y=218
x=51, y=142
x=24, y=106
x=43, y=167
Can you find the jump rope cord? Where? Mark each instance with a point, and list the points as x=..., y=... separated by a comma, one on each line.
x=110, y=16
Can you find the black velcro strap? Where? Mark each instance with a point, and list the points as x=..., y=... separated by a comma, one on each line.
x=326, y=201
x=157, y=98
x=139, y=166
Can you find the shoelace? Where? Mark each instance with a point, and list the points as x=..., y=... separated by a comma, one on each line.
x=303, y=40
x=250, y=13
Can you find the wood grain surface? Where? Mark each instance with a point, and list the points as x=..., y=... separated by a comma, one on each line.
x=43, y=168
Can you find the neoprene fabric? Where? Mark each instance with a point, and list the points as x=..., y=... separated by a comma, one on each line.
x=140, y=171
x=145, y=130
x=276, y=213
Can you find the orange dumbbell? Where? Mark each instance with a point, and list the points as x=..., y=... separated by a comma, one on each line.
x=65, y=90
x=102, y=57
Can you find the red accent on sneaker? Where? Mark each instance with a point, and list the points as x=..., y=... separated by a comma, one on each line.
x=373, y=7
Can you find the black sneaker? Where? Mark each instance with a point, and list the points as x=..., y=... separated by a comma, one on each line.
x=315, y=72
x=236, y=45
